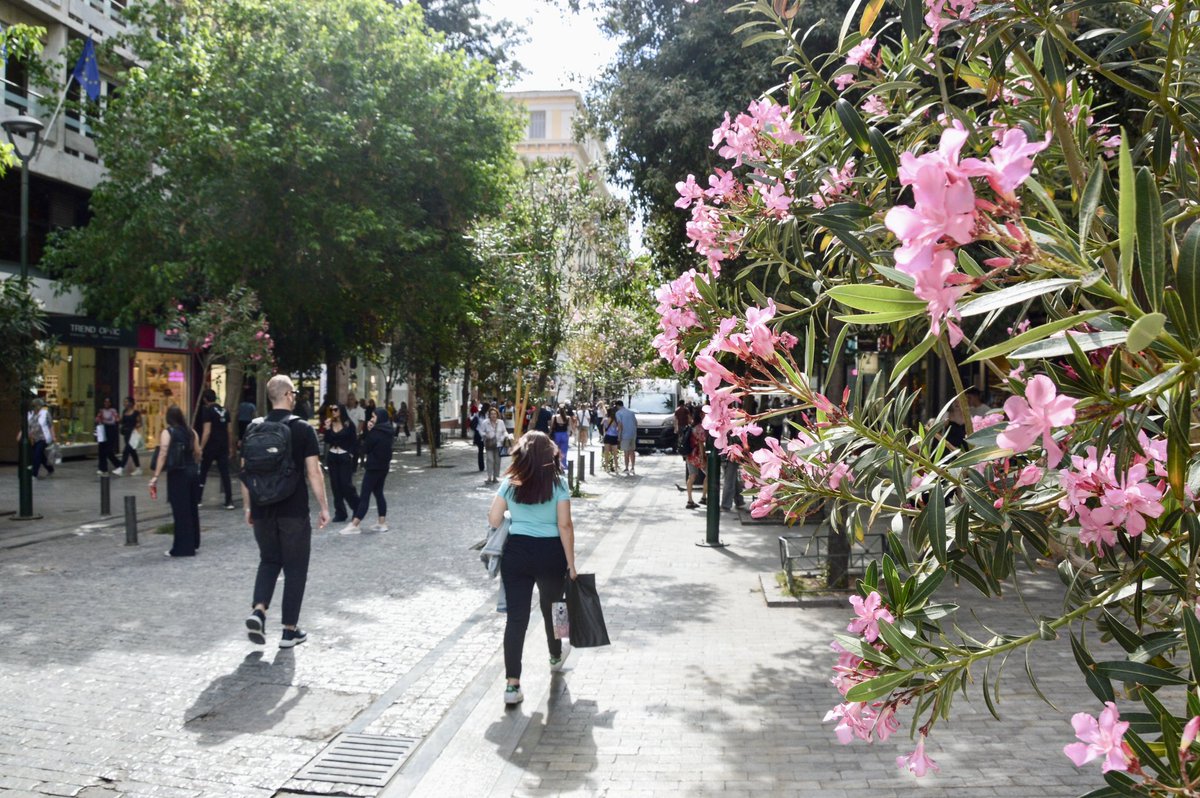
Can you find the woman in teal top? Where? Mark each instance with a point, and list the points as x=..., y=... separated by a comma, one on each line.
x=540, y=548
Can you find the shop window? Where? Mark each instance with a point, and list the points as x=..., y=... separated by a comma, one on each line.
x=69, y=388
x=159, y=381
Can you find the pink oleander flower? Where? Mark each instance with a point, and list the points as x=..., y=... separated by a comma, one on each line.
x=771, y=459
x=874, y=107
x=722, y=186
x=837, y=474
x=1100, y=737
x=940, y=289
x=1190, y=729
x=855, y=719
x=944, y=203
x=1036, y=415
x=1009, y=163
x=764, y=502
x=990, y=420
x=918, y=762
x=843, y=82
x=935, y=18
x=776, y=200
x=1132, y=500
x=1030, y=475
x=869, y=613
x=861, y=54
x=835, y=184
x=689, y=192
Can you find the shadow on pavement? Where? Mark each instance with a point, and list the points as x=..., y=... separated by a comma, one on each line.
x=250, y=700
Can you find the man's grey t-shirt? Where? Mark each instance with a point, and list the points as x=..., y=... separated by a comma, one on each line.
x=628, y=421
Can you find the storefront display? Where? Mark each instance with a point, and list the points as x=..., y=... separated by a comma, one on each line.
x=159, y=381
x=69, y=388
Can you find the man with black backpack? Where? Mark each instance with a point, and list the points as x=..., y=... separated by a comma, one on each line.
x=280, y=453
x=214, y=443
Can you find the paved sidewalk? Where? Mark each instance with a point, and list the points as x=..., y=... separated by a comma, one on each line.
x=705, y=690
x=125, y=673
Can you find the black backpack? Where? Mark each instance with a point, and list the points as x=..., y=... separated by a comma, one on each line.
x=686, y=444
x=268, y=469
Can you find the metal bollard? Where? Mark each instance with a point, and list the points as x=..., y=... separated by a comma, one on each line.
x=592, y=463
x=712, y=536
x=418, y=438
x=579, y=468
x=131, y=538
x=571, y=475
x=105, y=496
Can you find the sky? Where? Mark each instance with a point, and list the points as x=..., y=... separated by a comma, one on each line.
x=562, y=51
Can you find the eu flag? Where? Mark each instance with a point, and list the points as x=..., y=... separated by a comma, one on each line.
x=87, y=71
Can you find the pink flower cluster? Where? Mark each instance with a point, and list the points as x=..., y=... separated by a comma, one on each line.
x=1036, y=415
x=944, y=213
x=861, y=55
x=676, y=316
x=1101, y=737
x=836, y=184
x=943, y=11
x=772, y=459
x=1104, y=501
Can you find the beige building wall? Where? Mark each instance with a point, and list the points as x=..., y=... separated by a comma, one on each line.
x=550, y=128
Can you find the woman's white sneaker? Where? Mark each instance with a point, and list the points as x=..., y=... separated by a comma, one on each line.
x=513, y=694
x=349, y=529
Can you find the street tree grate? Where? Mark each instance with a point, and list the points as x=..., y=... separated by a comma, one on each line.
x=367, y=759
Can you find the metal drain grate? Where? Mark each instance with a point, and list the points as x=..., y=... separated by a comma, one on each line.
x=368, y=759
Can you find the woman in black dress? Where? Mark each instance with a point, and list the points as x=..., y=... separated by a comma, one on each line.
x=342, y=440
x=179, y=456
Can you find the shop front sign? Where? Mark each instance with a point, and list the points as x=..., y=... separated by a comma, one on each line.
x=82, y=331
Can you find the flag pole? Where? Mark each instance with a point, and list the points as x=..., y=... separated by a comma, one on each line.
x=61, y=101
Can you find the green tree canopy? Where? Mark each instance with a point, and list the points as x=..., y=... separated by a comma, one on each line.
x=328, y=154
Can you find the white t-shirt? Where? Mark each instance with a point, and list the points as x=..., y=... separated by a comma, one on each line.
x=357, y=415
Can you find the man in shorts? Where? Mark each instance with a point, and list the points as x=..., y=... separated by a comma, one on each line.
x=627, y=424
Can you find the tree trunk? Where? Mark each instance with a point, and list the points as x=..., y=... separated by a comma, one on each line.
x=335, y=383
x=838, y=544
x=234, y=380
x=464, y=416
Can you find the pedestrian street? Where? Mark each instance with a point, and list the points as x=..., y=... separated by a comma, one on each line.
x=126, y=673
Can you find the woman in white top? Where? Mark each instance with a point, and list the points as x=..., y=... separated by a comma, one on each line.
x=494, y=432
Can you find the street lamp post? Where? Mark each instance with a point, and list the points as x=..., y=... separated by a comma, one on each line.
x=24, y=125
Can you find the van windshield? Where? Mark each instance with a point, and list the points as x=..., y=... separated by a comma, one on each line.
x=652, y=403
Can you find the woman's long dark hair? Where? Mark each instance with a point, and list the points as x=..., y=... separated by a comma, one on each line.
x=536, y=468
x=343, y=416
x=175, y=417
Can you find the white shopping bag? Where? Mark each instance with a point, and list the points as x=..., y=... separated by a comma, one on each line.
x=100, y=436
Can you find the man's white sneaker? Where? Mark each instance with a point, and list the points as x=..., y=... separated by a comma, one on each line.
x=380, y=528
x=117, y=472
x=349, y=529
x=137, y=472
x=513, y=694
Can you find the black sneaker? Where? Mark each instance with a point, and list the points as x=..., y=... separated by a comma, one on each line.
x=256, y=626
x=293, y=637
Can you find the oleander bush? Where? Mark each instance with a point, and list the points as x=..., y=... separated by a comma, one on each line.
x=1012, y=184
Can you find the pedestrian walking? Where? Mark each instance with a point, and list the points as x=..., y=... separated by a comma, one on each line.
x=402, y=420
x=41, y=435
x=342, y=443
x=540, y=548
x=108, y=420
x=214, y=444
x=697, y=459
x=494, y=433
x=612, y=437
x=280, y=454
x=178, y=454
x=627, y=421
x=377, y=446
x=583, y=425
x=477, y=418
x=560, y=432
x=131, y=422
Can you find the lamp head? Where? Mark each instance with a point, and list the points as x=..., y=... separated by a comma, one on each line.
x=22, y=125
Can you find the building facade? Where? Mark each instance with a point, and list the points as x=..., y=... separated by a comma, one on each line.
x=91, y=361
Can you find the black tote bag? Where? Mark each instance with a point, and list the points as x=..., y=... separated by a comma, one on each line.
x=583, y=611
